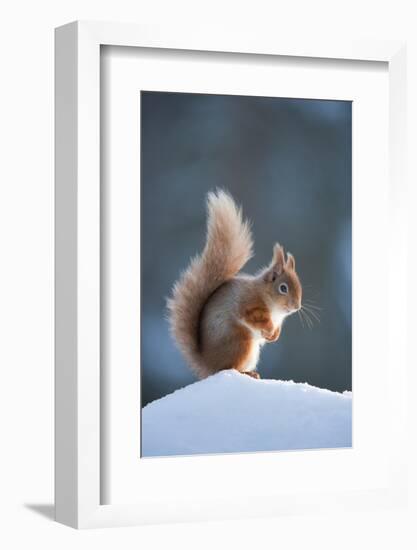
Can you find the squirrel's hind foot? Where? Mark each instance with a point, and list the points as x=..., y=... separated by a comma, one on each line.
x=253, y=374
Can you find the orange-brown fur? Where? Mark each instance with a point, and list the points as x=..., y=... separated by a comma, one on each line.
x=220, y=318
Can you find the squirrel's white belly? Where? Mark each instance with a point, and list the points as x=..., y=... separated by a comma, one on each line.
x=253, y=357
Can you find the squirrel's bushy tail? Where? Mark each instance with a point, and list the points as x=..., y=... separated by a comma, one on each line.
x=228, y=247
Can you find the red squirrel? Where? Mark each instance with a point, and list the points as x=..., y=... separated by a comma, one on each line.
x=219, y=317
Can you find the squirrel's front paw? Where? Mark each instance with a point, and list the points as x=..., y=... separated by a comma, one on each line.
x=271, y=336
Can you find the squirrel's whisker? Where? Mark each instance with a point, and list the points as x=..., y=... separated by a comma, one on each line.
x=315, y=316
x=307, y=315
x=311, y=297
x=307, y=320
x=307, y=303
x=313, y=313
x=301, y=319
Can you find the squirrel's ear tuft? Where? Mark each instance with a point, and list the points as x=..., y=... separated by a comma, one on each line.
x=290, y=261
x=278, y=259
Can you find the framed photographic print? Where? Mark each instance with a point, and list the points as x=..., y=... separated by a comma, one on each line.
x=225, y=209
x=264, y=151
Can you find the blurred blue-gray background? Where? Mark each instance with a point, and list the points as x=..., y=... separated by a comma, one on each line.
x=288, y=163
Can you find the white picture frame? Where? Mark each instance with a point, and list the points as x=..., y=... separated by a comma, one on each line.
x=78, y=411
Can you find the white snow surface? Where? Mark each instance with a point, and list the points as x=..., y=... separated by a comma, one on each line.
x=230, y=412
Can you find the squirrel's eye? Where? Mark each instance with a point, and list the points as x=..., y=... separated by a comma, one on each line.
x=283, y=288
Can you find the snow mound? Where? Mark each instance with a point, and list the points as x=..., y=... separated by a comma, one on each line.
x=230, y=412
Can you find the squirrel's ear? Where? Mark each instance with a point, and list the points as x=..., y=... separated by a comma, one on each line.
x=277, y=264
x=278, y=258
x=278, y=261
x=290, y=261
